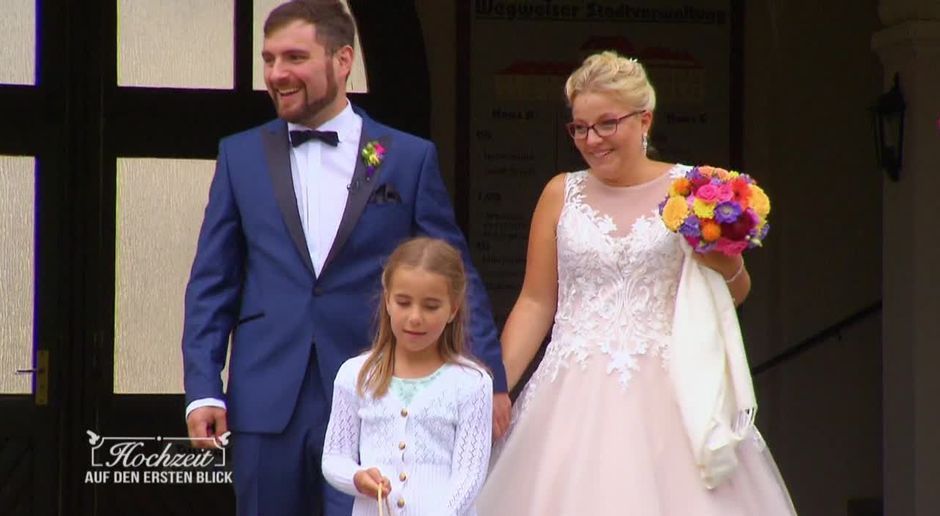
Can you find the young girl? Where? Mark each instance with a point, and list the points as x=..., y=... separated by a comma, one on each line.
x=413, y=416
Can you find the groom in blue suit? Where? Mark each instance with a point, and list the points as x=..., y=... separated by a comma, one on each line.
x=302, y=213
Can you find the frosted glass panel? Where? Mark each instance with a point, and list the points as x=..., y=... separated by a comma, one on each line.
x=160, y=204
x=358, y=82
x=18, y=42
x=17, y=208
x=176, y=43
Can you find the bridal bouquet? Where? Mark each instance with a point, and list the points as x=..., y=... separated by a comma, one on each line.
x=717, y=210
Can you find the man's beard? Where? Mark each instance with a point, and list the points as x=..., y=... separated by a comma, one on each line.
x=311, y=109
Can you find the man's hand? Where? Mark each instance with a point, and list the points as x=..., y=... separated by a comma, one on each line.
x=369, y=481
x=501, y=414
x=206, y=422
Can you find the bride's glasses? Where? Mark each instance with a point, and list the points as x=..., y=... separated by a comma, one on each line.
x=602, y=128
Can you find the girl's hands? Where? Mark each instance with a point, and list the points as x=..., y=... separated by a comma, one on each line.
x=369, y=481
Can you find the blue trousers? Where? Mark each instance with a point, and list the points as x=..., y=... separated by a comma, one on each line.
x=280, y=474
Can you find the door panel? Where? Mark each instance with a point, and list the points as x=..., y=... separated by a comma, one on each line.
x=78, y=285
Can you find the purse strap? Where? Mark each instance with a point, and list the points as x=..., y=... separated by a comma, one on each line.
x=380, y=499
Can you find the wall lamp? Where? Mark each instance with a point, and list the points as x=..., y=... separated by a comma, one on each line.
x=888, y=119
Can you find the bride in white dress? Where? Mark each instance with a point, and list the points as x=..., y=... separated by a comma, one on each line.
x=598, y=429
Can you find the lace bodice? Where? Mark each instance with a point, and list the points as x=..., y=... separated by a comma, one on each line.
x=616, y=287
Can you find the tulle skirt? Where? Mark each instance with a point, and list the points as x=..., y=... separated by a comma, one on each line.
x=585, y=445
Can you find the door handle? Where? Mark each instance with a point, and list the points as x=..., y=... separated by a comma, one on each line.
x=41, y=371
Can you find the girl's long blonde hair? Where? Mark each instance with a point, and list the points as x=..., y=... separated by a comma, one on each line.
x=430, y=255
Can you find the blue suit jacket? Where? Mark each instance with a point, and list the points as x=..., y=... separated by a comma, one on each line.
x=252, y=276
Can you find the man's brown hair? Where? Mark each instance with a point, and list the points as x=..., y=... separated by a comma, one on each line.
x=335, y=25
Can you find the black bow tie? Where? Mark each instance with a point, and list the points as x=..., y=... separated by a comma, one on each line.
x=328, y=137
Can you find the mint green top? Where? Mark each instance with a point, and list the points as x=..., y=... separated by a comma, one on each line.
x=406, y=388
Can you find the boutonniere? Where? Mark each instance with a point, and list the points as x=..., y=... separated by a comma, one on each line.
x=372, y=155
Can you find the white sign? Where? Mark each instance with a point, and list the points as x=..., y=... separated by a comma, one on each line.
x=157, y=460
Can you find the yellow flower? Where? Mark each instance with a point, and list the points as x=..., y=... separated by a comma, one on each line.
x=675, y=212
x=759, y=202
x=703, y=209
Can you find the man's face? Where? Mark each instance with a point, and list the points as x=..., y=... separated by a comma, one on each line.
x=301, y=76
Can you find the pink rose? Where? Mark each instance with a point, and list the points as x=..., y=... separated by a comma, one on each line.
x=725, y=192
x=707, y=193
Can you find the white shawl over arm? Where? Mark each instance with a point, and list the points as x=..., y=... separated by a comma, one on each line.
x=709, y=370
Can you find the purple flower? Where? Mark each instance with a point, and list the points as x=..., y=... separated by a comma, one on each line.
x=704, y=247
x=691, y=227
x=727, y=212
x=763, y=232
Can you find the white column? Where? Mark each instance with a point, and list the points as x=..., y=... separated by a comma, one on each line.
x=909, y=45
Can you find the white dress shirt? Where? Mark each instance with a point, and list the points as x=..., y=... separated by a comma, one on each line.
x=321, y=174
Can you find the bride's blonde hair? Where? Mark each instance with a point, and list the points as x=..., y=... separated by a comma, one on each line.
x=611, y=73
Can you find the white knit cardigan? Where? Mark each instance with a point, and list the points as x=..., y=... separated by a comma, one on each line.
x=434, y=450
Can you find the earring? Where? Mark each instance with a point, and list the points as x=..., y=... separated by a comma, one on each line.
x=646, y=142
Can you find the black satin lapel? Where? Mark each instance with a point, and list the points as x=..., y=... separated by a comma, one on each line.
x=278, y=156
x=360, y=188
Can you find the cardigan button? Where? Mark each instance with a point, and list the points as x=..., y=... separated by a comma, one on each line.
x=401, y=503
x=402, y=476
x=404, y=412
x=401, y=445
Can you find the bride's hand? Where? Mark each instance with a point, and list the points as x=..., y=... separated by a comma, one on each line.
x=731, y=269
x=727, y=266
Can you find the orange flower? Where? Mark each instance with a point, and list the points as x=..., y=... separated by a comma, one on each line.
x=681, y=186
x=708, y=171
x=711, y=230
